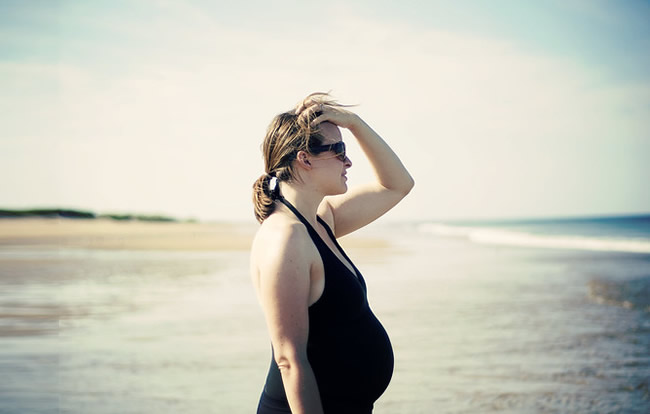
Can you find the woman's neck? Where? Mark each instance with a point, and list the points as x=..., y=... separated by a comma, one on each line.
x=305, y=201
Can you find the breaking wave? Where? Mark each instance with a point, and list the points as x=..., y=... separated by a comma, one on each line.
x=501, y=236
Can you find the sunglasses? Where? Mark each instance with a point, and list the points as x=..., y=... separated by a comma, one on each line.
x=338, y=149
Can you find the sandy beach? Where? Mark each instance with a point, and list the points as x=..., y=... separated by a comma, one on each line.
x=140, y=235
x=131, y=317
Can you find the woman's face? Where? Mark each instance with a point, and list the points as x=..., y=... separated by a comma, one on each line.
x=328, y=165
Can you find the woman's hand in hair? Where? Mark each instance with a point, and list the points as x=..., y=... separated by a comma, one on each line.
x=336, y=115
x=319, y=107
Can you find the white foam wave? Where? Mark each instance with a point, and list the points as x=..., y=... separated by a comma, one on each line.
x=518, y=238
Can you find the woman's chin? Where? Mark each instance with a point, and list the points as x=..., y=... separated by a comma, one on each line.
x=340, y=190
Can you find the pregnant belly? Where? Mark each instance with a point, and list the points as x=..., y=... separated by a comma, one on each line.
x=355, y=362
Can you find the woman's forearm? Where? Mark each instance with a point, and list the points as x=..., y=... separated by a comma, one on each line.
x=388, y=168
x=301, y=388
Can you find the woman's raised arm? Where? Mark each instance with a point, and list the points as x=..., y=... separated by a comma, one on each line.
x=362, y=205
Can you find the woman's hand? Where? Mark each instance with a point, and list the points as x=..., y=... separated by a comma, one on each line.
x=337, y=116
x=326, y=112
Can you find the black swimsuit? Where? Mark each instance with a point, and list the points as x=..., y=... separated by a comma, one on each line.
x=347, y=347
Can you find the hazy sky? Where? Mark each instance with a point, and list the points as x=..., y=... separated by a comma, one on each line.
x=499, y=109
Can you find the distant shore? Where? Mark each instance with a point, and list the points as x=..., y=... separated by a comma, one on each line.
x=108, y=233
x=80, y=214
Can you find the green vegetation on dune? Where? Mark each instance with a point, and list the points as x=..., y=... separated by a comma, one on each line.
x=78, y=214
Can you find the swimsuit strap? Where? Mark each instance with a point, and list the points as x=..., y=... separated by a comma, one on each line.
x=315, y=236
x=311, y=228
x=338, y=246
x=296, y=212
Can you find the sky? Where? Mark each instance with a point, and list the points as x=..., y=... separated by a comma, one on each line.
x=501, y=109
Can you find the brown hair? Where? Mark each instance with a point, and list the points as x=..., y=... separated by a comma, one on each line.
x=287, y=134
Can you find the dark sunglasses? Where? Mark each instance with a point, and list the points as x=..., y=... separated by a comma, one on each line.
x=338, y=149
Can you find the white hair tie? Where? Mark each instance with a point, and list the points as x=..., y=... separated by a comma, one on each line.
x=273, y=184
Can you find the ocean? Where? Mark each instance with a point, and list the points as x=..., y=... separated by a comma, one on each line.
x=541, y=316
x=626, y=234
x=609, y=234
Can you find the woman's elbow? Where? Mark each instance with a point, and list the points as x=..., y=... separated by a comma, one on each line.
x=407, y=185
x=411, y=184
x=289, y=360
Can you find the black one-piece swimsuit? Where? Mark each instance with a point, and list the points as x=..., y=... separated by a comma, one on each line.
x=347, y=347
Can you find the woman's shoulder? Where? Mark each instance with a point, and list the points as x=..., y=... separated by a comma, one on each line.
x=281, y=235
x=280, y=227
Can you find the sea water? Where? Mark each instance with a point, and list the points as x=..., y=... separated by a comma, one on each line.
x=531, y=316
x=625, y=234
x=617, y=234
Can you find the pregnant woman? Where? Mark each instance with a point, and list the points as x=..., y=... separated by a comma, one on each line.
x=330, y=354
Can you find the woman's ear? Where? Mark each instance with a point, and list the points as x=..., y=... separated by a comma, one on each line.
x=303, y=160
